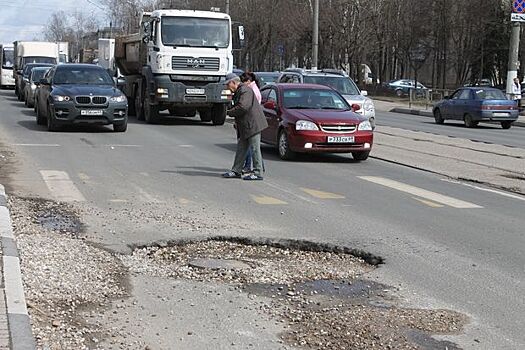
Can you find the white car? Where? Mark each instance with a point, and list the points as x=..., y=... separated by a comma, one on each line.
x=338, y=81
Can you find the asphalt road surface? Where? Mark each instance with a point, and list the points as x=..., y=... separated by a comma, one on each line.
x=485, y=132
x=445, y=244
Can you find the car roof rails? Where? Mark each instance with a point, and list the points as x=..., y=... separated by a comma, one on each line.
x=296, y=70
x=334, y=71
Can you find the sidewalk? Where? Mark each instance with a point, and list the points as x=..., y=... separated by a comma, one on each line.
x=402, y=107
x=15, y=325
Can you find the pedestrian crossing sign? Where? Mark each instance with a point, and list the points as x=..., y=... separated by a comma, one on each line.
x=518, y=11
x=518, y=6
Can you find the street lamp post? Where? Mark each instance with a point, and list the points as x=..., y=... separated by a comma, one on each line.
x=315, y=36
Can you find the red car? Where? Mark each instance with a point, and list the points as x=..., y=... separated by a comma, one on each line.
x=306, y=118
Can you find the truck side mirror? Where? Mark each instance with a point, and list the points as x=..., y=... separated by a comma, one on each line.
x=239, y=39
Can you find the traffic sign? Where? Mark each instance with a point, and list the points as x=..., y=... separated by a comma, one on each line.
x=518, y=6
x=517, y=17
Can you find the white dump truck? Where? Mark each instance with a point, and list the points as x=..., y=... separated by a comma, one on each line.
x=7, y=60
x=178, y=62
x=32, y=52
x=63, y=52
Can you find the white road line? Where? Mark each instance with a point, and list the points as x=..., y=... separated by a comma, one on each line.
x=419, y=192
x=61, y=186
x=186, y=146
x=122, y=146
x=501, y=193
x=285, y=190
x=36, y=144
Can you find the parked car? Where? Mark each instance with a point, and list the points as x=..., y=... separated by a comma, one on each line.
x=267, y=77
x=402, y=87
x=307, y=118
x=337, y=80
x=25, y=77
x=35, y=76
x=476, y=104
x=80, y=94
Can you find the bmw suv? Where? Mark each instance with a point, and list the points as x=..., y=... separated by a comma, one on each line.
x=338, y=81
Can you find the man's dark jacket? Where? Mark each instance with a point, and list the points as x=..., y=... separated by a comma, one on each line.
x=248, y=113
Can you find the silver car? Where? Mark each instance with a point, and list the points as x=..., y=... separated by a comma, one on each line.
x=34, y=78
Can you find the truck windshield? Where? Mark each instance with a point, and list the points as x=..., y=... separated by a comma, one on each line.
x=343, y=85
x=8, y=58
x=50, y=60
x=195, y=32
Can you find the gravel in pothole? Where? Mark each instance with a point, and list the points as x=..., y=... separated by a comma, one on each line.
x=266, y=264
x=322, y=296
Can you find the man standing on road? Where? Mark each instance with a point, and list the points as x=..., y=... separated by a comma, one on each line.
x=250, y=121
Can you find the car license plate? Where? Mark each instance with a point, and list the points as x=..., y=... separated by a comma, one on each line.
x=195, y=91
x=91, y=112
x=500, y=114
x=341, y=139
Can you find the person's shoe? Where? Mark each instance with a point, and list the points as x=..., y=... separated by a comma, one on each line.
x=247, y=171
x=231, y=175
x=252, y=177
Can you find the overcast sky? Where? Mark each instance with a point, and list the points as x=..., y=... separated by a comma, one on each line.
x=24, y=19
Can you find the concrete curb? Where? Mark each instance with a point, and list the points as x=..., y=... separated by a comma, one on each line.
x=19, y=324
x=429, y=114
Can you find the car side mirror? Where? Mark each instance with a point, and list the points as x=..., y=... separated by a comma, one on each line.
x=19, y=72
x=43, y=82
x=270, y=105
x=447, y=97
x=356, y=107
x=26, y=80
x=364, y=93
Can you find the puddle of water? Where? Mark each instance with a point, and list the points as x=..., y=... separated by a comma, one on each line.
x=426, y=342
x=58, y=222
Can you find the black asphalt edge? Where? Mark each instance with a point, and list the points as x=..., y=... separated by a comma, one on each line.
x=282, y=243
x=428, y=114
x=19, y=323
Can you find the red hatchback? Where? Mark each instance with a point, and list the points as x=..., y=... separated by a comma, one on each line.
x=305, y=118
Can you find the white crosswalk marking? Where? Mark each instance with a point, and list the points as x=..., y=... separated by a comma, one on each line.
x=61, y=186
x=419, y=192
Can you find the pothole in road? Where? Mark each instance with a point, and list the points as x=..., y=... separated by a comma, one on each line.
x=320, y=291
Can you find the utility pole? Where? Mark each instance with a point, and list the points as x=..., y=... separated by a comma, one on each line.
x=228, y=6
x=512, y=71
x=315, y=36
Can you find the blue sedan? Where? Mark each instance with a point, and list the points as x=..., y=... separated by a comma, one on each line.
x=475, y=104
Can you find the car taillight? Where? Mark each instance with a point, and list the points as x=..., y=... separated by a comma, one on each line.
x=496, y=107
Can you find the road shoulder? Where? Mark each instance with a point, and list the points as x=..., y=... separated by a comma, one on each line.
x=15, y=325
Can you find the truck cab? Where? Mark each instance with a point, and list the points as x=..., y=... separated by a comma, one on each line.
x=178, y=62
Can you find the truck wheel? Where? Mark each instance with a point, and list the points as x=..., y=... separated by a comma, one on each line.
x=205, y=115
x=151, y=112
x=218, y=114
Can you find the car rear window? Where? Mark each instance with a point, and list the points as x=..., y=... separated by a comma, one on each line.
x=485, y=94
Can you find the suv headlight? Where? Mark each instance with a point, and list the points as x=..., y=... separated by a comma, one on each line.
x=120, y=98
x=365, y=126
x=368, y=106
x=305, y=125
x=61, y=98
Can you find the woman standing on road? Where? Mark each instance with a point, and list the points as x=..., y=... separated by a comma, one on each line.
x=516, y=91
x=250, y=80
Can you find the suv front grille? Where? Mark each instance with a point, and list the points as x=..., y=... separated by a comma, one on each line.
x=338, y=129
x=83, y=100
x=95, y=100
